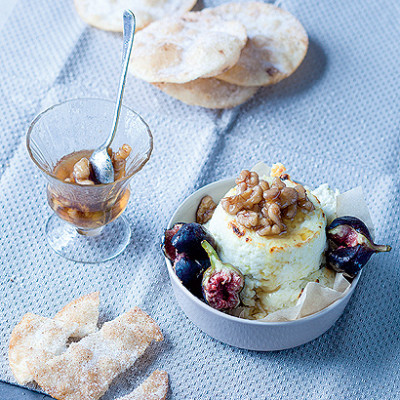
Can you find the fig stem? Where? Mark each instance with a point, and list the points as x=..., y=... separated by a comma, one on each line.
x=380, y=248
x=377, y=248
x=212, y=254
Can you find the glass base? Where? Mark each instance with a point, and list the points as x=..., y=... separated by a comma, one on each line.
x=93, y=246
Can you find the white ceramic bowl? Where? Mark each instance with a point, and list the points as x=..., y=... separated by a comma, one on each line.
x=247, y=334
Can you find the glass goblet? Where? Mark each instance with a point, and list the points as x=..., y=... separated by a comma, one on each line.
x=87, y=225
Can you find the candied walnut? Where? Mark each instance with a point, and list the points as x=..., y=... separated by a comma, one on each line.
x=261, y=206
x=301, y=192
x=233, y=204
x=246, y=180
x=205, y=210
x=248, y=219
x=119, y=161
x=256, y=195
x=271, y=194
x=290, y=212
x=274, y=214
x=288, y=197
x=306, y=205
x=265, y=231
x=278, y=183
x=81, y=172
x=264, y=185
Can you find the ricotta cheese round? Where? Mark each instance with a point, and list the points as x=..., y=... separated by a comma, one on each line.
x=276, y=268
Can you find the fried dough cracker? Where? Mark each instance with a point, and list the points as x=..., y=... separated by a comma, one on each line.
x=84, y=311
x=208, y=92
x=36, y=337
x=86, y=369
x=107, y=14
x=155, y=387
x=179, y=49
x=277, y=43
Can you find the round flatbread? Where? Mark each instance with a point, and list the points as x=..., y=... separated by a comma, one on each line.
x=107, y=14
x=277, y=43
x=209, y=93
x=183, y=48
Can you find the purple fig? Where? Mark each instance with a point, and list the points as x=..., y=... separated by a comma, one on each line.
x=222, y=282
x=188, y=240
x=190, y=273
x=350, y=246
x=167, y=247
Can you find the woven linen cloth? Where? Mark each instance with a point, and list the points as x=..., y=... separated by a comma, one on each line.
x=335, y=120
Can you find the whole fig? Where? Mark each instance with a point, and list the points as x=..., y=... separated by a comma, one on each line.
x=350, y=246
x=190, y=272
x=188, y=240
x=169, y=250
x=222, y=282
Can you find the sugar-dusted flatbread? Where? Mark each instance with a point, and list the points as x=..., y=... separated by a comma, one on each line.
x=277, y=43
x=208, y=92
x=107, y=14
x=155, y=387
x=179, y=49
x=36, y=338
x=86, y=369
x=83, y=311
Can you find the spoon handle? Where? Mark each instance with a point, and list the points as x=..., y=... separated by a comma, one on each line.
x=129, y=33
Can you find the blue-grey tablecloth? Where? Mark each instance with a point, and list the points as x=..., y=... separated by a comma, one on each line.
x=335, y=120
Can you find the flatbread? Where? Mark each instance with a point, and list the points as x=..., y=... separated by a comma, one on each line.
x=277, y=43
x=86, y=369
x=155, y=387
x=208, y=92
x=37, y=337
x=34, y=338
x=107, y=14
x=83, y=311
x=180, y=49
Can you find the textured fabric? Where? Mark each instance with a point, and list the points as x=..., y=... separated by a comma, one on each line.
x=335, y=120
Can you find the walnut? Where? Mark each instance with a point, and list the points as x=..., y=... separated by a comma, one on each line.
x=119, y=161
x=205, y=210
x=271, y=194
x=263, y=207
x=248, y=219
x=278, y=183
x=287, y=197
x=264, y=185
x=81, y=172
x=246, y=180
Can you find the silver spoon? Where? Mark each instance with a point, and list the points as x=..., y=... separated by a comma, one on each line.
x=100, y=161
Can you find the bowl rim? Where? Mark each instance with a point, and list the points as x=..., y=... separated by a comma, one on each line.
x=98, y=185
x=232, y=318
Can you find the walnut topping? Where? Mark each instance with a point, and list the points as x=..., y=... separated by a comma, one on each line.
x=263, y=207
x=81, y=172
x=119, y=161
x=205, y=210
